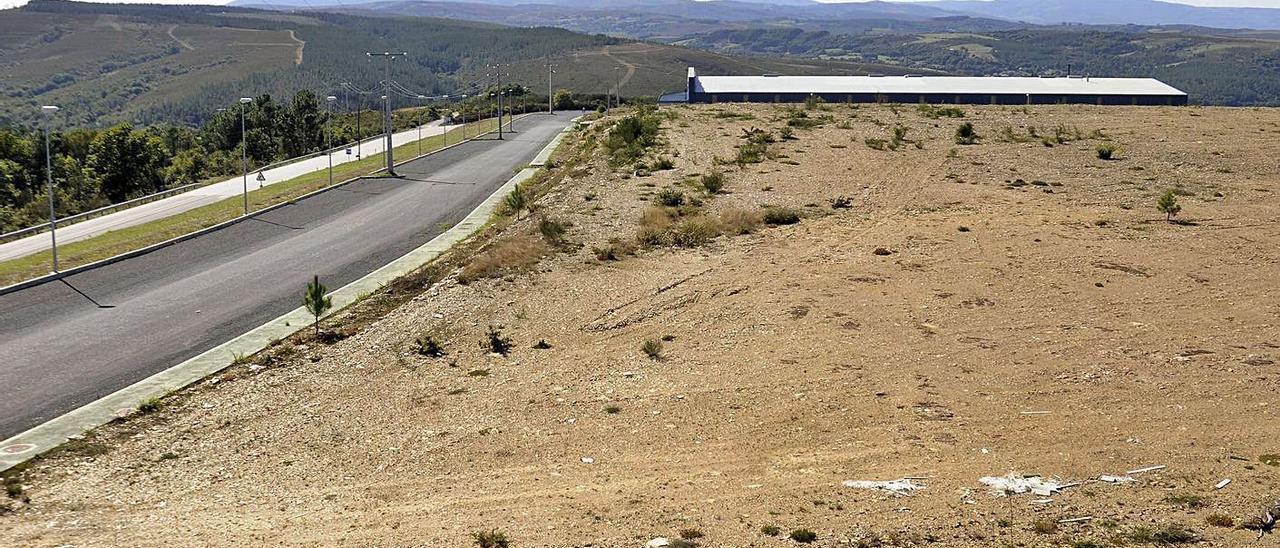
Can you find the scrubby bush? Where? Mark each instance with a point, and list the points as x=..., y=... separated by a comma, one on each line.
x=631, y=135
x=427, y=345
x=1106, y=151
x=515, y=202
x=491, y=539
x=803, y=536
x=496, y=342
x=966, y=135
x=694, y=231
x=552, y=231
x=740, y=221
x=662, y=164
x=614, y=250
x=652, y=348
x=669, y=197
x=1168, y=204
x=781, y=216
x=712, y=182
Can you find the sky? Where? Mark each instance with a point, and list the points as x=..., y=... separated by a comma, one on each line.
x=1218, y=3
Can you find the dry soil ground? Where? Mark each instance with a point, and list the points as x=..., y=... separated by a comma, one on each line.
x=1056, y=326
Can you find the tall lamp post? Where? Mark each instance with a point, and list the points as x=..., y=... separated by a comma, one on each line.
x=550, y=70
x=422, y=98
x=328, y=133
x=49, y=111
x=244, y=154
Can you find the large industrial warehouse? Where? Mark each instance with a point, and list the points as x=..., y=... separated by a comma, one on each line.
x=993, y=90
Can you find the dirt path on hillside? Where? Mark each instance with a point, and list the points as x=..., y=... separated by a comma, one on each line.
x=180, y=41
x=297, y=43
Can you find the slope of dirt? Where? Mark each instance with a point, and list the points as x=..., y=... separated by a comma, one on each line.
x=1056, y=326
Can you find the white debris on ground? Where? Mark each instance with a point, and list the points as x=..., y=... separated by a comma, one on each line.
x=659, y=542
x=1116, y=480
x=1013, y=484
x=902, y=486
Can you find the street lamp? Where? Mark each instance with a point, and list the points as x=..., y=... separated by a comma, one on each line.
x=48, y=111
x=423, y=98
x=328, y=133
x=244, y=153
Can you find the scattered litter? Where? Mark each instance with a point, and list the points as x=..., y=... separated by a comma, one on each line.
x=1116, y=479
x=1076, y=520
x=1222, y=483
x=1035, y=412
x=984, y=450
x=659, y=542
x=588, y=460
x=902, y=486
x=1013, y=484
x=1043, y=501
x=1148, y=469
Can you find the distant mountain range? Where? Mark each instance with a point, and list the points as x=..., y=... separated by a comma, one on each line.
x=1039, y=12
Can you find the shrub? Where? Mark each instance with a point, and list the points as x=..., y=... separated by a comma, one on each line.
x=786, y=133
x=690, y=534
x=841, y=202
x=614, y=250
x=1106, y=151
x=652, y=348
x=553, y=231
x=504, y=258
x=1168, y=204
x=614, y=410
x=491, y=539
x=803, y=536
x=149, y=405
x=877, y=144
x=316, y=302
x=751, y=153
x=771, y=530
x=740, y=221
x=966, y=135
x=669, y=197
x=899, y=136
x=712, y=182
x=1220, y=520
x=427, y=345
x=1188, y=500
x=694, y=231
x=662, y=164
x=930, y=111
x=515, y=202
x=496, y=342
x=631, y=135
x=1045, y=527
x=781, y=216
x=542, y=344
x=1169, y=534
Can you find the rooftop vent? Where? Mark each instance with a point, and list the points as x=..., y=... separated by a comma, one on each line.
x=914, y=76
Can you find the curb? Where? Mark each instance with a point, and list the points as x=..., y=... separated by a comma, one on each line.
x=31, y=443
x=224, y=224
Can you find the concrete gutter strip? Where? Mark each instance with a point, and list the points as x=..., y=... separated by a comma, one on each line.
x=123, y=402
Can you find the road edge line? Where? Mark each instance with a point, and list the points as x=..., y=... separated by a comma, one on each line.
x=122, y=403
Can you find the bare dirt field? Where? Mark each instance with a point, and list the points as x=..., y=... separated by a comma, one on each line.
x=939, y=311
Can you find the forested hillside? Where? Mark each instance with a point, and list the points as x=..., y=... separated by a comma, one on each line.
x=1221, y=70
x=110, y=63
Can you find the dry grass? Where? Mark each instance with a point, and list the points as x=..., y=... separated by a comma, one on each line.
x=504, y=258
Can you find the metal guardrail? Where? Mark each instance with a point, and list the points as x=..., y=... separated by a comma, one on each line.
x=106, y=210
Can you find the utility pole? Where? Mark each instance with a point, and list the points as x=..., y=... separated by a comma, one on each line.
x=386, y=102
x=49, y=111
x=346, y=107
x=328, y=133
x=244, y=154
x=550, y=70
x=423, y=98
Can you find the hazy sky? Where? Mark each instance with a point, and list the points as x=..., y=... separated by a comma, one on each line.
x=1253, y=3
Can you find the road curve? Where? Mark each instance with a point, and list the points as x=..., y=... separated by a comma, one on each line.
x=64, y=344
x=208, y=194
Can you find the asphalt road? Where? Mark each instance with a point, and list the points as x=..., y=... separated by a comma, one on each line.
x=64, y=344
x=205, y=195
